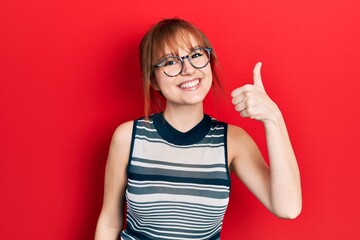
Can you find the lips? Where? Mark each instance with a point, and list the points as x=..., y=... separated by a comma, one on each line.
x=189, y=85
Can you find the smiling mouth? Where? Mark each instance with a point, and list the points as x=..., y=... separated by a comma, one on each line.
x=190, y=84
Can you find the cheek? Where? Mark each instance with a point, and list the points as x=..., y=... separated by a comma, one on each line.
x=208, y=72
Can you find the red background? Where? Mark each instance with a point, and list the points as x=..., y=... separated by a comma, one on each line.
x=69, y=75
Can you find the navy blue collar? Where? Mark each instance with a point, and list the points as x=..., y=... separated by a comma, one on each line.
x=174, y=136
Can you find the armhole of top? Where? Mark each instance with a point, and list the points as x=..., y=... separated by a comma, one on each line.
x=226, y=153
x=132, y=144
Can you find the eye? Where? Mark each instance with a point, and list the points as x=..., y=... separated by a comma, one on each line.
x=171, y=61
x=197, y=54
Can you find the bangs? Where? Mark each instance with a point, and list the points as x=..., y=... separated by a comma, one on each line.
x=174, y=40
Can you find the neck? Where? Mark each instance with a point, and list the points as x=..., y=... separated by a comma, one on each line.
x=184, y=118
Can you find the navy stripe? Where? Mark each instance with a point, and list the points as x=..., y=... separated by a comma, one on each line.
x=199, y=145
x=220, y=182
x=216, y=137
x=159, y=172
x=143, y=160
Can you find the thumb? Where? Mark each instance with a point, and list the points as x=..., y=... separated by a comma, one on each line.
x=257, y=75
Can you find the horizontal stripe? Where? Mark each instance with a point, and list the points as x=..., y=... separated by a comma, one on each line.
x=175, y=204
x=183, y=165
x=179, y=168
x=150, y=127
x=151, y=131
x=159, y=140
x=146, y=129
x=153, y=136
x=145, y=121
x=183, y=189
x=194, y=227
x=166, y=153
x=147, y=177
x=184, y=199
x=178, y=217
x=177, y=184
x=159, y=172
x=210, y=130
x=215, y=136
x=176, y=191
x=181, y=204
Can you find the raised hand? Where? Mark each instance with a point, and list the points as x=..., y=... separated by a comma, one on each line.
x=252, y=101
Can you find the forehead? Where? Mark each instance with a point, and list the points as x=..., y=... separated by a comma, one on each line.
x=179, y=44
x=181, y=47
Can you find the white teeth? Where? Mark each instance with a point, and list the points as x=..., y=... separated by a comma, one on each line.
x=189, y=84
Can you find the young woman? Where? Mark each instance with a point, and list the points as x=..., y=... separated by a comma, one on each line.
x=172, y=168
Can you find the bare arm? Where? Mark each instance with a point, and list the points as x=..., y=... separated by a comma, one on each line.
x=110, y=221
x=284, y=172
x=277, y=186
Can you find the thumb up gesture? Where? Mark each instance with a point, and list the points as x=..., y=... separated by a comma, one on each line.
x=252, y=101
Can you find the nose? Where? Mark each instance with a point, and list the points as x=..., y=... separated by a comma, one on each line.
x=187, y=67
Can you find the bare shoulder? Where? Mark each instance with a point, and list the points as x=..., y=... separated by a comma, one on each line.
x=238, y=138
x=241, y=146
x=120, y=143
x=233, y=129
x=237, y=134
x=123, y=132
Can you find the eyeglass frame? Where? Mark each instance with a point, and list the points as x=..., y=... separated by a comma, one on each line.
x=160, y=64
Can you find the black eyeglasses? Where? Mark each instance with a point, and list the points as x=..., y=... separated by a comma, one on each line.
x=173, y=65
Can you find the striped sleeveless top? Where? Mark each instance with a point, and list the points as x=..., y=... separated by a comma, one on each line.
x=178, y=183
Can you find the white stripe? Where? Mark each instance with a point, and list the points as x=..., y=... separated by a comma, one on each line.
x=185, y=214
x=167, y=167
x=184, y=198
x=214, y=136
x=162, y=152
x=177, y=204
x=146, y=121
x=217, y=128
x=147, y=129
x=178, y=187
x=138, y=208
x=136, y=182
